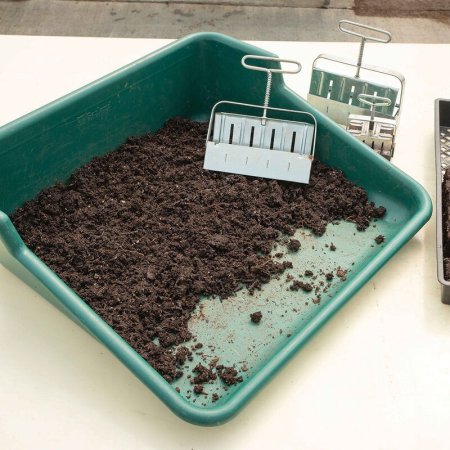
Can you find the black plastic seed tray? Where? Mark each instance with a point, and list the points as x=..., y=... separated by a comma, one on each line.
x=442, y=147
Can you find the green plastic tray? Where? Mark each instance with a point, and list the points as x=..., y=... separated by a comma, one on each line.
x=185, y=79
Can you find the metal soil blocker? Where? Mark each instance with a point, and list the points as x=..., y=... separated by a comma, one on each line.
x=364, y=99
x=262, y=146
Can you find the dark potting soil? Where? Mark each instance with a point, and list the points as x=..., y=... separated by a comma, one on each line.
x=229, y=375
x=296, y=285
x=256, y=317
x=143, y=232
x=294, y=245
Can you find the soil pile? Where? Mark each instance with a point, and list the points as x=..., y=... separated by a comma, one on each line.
x=143, y=232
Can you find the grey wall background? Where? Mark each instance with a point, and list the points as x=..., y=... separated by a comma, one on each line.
x=423, y=21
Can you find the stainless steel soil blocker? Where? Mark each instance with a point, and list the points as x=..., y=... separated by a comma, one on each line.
x=364, y=99
x=261, y=146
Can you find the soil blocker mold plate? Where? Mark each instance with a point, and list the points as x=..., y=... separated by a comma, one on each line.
x=186, y=79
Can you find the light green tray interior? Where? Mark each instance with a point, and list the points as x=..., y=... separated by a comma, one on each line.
x=185, y=79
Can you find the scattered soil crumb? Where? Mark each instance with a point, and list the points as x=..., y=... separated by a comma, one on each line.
x=256, y=317
x=229, y=375
x=341, y=273
x=297, y=284
x=294, y=245
x=198, y=389
x=204, y=375
x=379, y=239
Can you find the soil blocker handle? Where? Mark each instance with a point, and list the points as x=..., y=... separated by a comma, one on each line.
x=387, y=38
x=269, y=74
x=373, y=101
x=387, y=35
x=270, y=58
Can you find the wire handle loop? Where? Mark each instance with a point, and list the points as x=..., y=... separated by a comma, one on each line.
x=385, y=40
x=364, y=38
x=269, y=75
x=371, y=100
x=270, y=58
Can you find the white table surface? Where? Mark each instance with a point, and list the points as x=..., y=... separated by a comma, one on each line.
x=377, y=376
